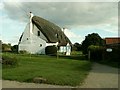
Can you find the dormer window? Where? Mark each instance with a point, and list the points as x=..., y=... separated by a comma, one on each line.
x=38, y=33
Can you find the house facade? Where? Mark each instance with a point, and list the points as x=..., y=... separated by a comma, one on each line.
x=40, y=33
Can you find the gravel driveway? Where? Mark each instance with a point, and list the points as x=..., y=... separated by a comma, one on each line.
x=100, y=76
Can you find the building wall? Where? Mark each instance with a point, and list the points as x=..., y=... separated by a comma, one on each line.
x=32, y=43
x=35, y=31
x=65, y=49
x=112, y=40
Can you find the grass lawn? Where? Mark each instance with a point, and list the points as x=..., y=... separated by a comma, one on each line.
x=62, y=71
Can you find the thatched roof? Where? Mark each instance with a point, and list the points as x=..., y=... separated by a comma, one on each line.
x=52, y=32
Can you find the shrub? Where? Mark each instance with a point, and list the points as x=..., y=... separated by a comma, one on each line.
x=23, y=52
x=6, y=48
x=96, y=52
x=9, y=61
x=15, y=48
x=51, y=50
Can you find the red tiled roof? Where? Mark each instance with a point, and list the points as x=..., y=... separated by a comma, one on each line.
x=112, y=40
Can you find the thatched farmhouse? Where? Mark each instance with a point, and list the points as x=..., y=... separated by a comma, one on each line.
x=40, y=33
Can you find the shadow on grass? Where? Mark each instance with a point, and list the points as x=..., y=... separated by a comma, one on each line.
x=73, y=57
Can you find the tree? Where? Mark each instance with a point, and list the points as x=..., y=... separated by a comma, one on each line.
x=76, y=47
x=14, y=48
x=91, y=39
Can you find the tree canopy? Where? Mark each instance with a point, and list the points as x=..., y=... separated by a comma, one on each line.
x=76, y=47
x=91, y=39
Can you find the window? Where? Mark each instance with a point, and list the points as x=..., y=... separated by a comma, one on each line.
x=40, y=45
x=56, y=35
x=38, y=33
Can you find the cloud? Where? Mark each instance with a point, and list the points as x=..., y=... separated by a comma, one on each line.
x=61, y=0
x=75, y=16
x=73, y=37
x=65, y=14
x=1, y=6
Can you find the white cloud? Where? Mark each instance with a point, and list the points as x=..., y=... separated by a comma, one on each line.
x=68, y=14
x=1, y=6
x=73, y=37
x=62, y=0
x=100, y=16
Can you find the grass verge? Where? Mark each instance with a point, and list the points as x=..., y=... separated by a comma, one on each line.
x=60, y=71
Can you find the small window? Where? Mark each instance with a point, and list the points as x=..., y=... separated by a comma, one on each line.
x=40, y=45
x=38, y=33
x=27, y=38
x=56, y=35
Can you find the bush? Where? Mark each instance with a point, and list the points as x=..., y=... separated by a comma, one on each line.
x=9, y=61
x=14, y=49
x=96, y=52
x=51, y=50
x=6, y=48
x=23, y=52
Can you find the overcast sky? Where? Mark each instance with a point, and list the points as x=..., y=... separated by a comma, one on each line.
x=80, y=18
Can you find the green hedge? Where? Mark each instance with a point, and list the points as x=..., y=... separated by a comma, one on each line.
x=51, y=50
x=96, y=52
x=112, y=56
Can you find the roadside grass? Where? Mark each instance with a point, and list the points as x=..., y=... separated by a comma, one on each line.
x=61, y=71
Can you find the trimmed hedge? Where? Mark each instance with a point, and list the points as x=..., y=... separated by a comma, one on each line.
x=96, y=52
x=51, y=50
x=113, y=56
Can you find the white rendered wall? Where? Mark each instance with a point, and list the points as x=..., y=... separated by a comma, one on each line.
x=68, y=49
x=62, y=49
x=35, y=32
x=32, y=43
